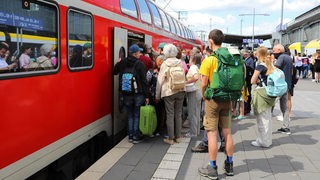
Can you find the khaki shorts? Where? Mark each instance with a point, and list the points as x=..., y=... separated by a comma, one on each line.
x=217, y=113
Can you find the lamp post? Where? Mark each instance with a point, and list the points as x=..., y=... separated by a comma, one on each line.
x=253, y=17
x=241, y=26
x=281, y=22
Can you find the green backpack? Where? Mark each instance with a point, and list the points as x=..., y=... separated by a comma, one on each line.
x=228, y=80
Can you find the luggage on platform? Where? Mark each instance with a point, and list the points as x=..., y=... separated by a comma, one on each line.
x=148, y=120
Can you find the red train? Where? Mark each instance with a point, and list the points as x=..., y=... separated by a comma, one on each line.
x=55, y=122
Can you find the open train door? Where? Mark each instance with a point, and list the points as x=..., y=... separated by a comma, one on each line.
x=119, y=52
x=148, y=40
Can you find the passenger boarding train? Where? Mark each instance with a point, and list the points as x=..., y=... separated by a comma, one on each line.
x=54, y=123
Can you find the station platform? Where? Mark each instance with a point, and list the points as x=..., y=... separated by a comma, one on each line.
x=294, y=157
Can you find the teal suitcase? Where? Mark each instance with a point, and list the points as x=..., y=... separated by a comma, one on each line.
x=148, y=120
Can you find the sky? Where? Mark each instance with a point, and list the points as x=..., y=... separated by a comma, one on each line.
x=204, y=15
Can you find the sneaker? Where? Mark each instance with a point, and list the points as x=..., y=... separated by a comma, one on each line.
x=241, y=118
x=200, y=148
x=168, y=141
x=279, y=118
x=209, y=172
x=222, y=149
x=130, y=139
x=189, y=135
x=228, y=168
x=137, y=140
x=284, y=130
x=255, y=143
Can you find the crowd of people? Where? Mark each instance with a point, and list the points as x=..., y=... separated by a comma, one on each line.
x=213, y=116
x=308, y=66
x=22, y=61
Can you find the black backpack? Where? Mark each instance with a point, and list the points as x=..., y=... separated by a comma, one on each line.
x=128, y=82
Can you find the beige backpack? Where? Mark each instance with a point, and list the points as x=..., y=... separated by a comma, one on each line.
x=177, y=80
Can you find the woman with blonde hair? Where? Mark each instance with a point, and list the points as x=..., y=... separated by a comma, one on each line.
x=261, y=102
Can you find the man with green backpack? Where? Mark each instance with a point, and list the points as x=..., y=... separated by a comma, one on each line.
x=221, y=83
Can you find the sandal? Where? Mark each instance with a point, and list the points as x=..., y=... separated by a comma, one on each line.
x=168, y=141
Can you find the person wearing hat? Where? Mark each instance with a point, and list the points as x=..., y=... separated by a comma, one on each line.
x=134, y=101
x=160, y=47
x=76, y=56
x=87, y=54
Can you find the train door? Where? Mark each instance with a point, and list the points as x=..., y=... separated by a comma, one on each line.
x=120, y=51
x=148, y=40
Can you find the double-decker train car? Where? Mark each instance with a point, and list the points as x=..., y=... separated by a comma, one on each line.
x=55, y=122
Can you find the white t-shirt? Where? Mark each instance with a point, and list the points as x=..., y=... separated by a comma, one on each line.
x=196, y=85
x=298, y=61
x=3, y=63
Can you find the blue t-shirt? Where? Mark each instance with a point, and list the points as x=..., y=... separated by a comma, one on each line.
x=263, y=71
x=284, y=62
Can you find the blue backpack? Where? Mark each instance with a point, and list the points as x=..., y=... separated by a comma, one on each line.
x=128, y=82
x=276, y=83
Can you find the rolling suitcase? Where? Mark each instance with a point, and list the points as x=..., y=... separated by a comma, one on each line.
x=148, y=120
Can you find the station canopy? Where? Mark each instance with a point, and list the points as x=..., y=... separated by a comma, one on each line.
x=314, y=44
x=295, y=46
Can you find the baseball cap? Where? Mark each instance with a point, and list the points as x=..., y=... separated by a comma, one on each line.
x=87, y=45
x=161, y=45
x=135, y=48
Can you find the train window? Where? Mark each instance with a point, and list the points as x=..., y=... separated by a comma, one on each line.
x=178, y=28
x=156, y=16
x=181, y=29
x=189, y=33
x=184, y=31
x=173, y=28
x=129, y=7
x=80, y=38
x=164, y=20
x=144, y=11
x=192, y=35
x=30, y=31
